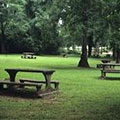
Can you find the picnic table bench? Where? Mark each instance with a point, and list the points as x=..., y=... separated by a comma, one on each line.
x=24, y=80
x=28, y=55
x=28, y=82
x=109, y=68
x=10, y=85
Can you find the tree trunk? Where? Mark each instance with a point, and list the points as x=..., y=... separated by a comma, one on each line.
x=117, y=57
x=89, y=51
x=90, y=44
x=96, y=51
x=83, y=61
x=114, y=53
x=2, y=42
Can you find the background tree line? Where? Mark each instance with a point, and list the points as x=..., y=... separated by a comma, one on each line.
x=28, y=25
x=44, y=26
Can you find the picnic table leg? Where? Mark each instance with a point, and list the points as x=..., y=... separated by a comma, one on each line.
x=104, y=67
x=1, y=86
x=103, y=74
x=48, y=78
x=12, y=75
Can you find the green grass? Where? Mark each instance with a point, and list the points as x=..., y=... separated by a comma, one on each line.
x=83, y=96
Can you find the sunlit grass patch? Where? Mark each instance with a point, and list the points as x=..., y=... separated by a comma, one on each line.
x=83, y=96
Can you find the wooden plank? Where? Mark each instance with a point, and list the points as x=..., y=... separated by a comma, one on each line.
x=37, y=81
x=19, y=83
x=28, y=53
x=29, y=70
x=55, y=82
x=111, y=71
x=106, y=61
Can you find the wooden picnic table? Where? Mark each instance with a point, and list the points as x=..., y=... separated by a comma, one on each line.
x=103, y=61
x=28, y=55
x=47, y=74
x=106, y=61
x=109, y=68
x=110, y=65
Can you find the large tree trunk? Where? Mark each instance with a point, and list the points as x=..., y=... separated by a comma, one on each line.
x=83, y=61
x=2, y=43
x=3, y=37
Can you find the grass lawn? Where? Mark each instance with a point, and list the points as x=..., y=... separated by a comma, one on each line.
x=83, y=96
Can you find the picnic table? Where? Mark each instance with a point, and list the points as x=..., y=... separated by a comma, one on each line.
x=109, y=68
x=103, y=61
x=106, y=61
x=28, y=55
x=27, y=82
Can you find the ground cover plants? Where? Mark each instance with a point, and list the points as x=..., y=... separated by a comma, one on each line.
x=83, y=95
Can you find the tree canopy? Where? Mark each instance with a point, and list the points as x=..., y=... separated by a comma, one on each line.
x=43, y=26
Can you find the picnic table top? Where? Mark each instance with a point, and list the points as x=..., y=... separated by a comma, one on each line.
x=110, y=64
x=28, y=53
x=29, y=70
x=106, y=61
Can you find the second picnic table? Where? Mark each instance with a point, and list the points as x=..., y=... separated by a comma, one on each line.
x=109, y=68
x=106, y=61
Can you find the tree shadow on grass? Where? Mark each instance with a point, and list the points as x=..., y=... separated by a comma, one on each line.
x=26, y=94
x=110, y=78
x=114, y=111
x=71, y=68
x=109, y=111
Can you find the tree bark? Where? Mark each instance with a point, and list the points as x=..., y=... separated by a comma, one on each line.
x=2, y=42
x=90, y=44
x=96, y=52
x=117, y=56
x=89, y=51
x=84, y=60
x=114, y=53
